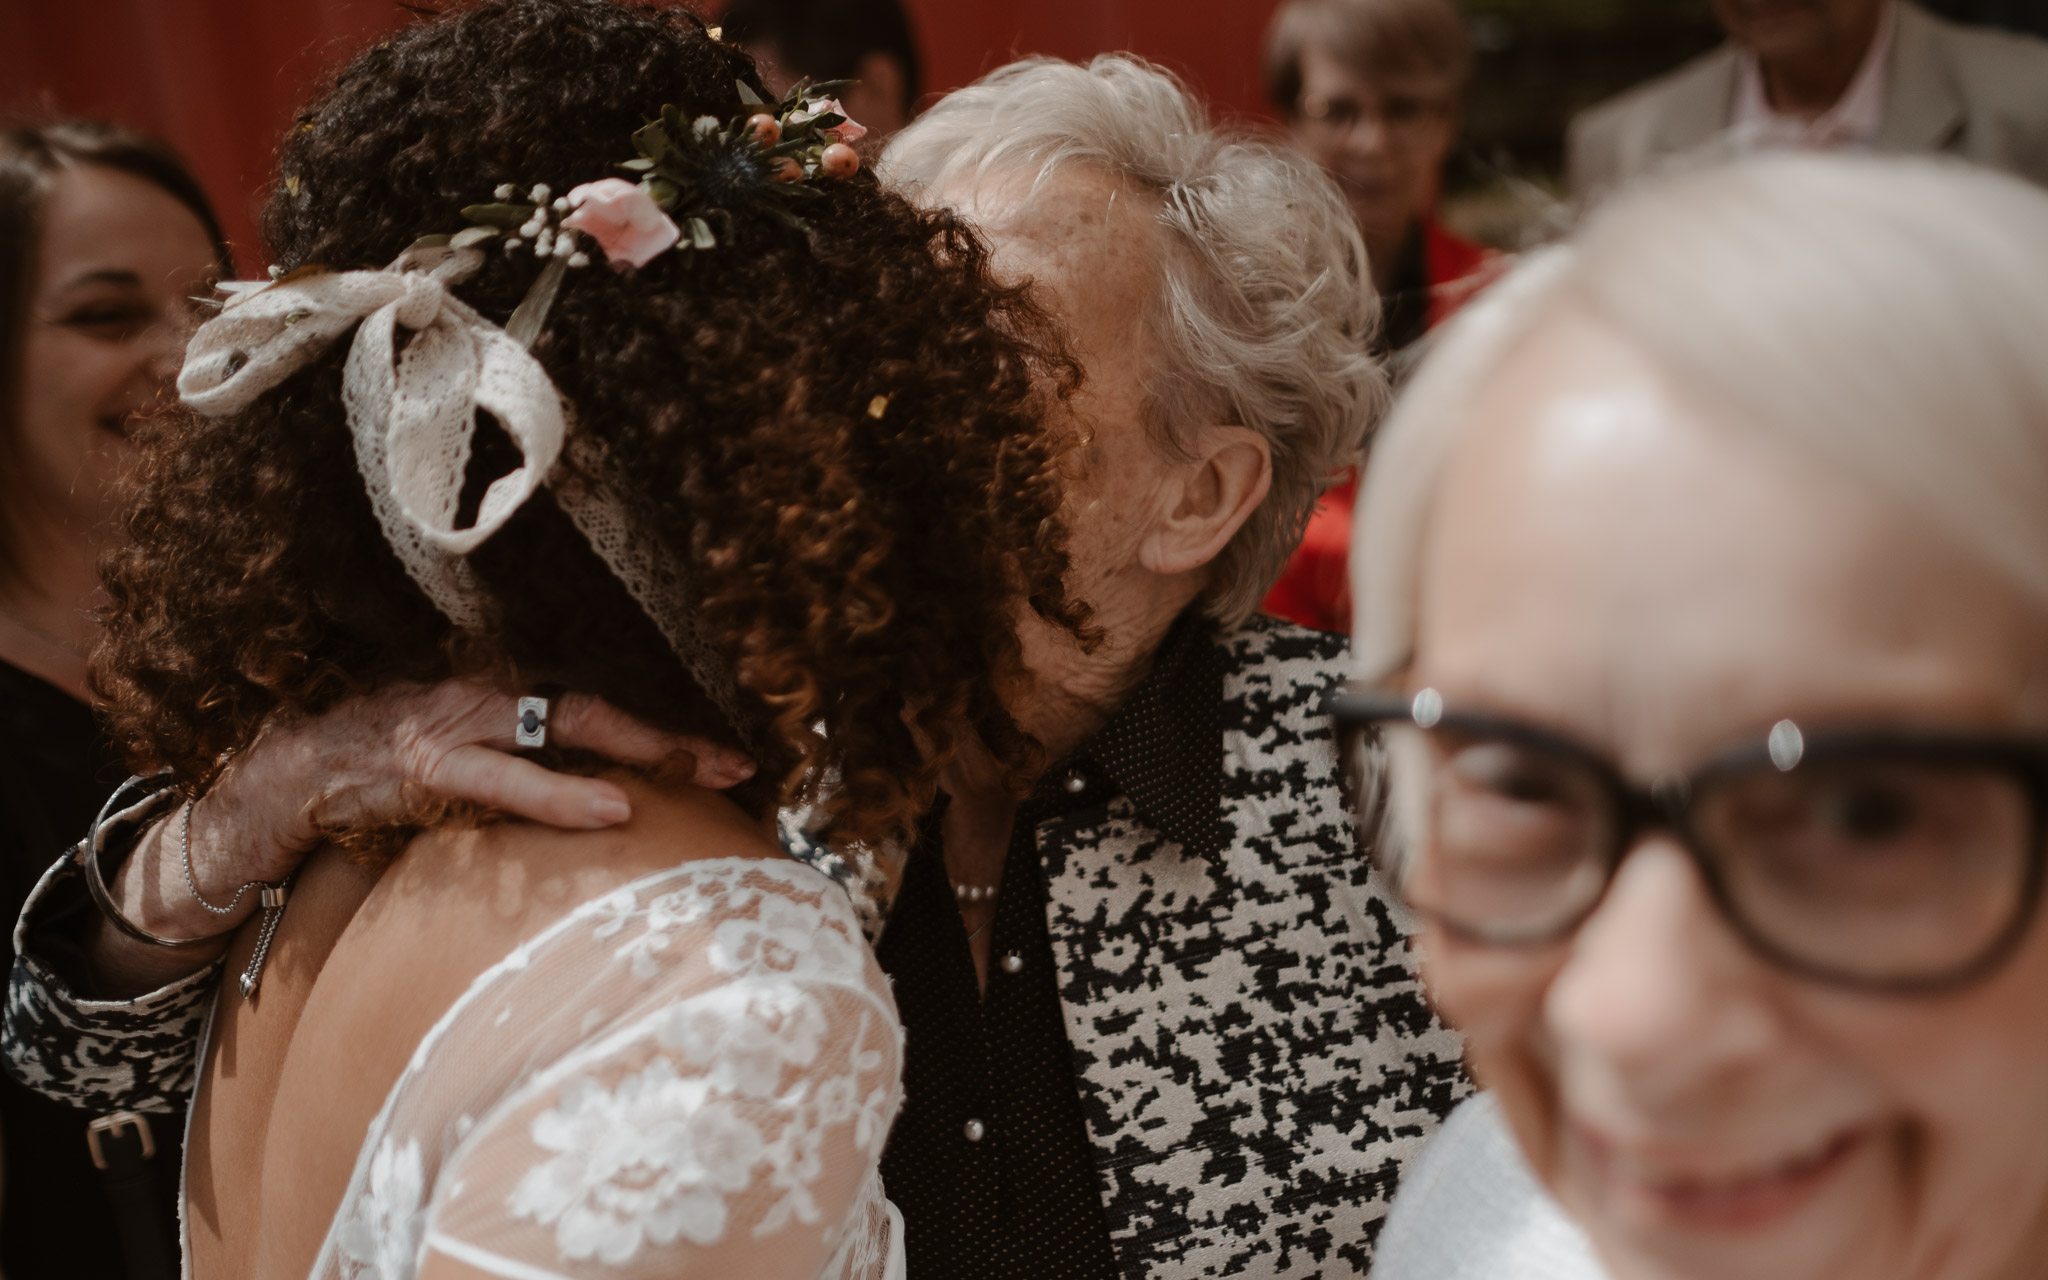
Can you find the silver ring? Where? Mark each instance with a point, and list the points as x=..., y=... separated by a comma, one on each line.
x=532, y=728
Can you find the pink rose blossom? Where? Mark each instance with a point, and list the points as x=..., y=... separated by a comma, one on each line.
x=623, y=219
x=848, y=131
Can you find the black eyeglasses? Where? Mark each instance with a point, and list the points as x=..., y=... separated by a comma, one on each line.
x=1884, y=859
x=1400, y=114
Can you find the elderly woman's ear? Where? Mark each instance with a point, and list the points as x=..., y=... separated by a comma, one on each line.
x=1207, y=498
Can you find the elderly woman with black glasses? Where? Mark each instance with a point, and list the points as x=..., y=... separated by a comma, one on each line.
x=1372, y=91
x=1703, y=629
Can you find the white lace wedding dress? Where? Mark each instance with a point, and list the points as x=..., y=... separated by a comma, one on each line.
x=699, y=1066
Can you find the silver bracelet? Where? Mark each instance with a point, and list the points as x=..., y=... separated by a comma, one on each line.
x=263, y=889
x=87, y=858
x=271, y=897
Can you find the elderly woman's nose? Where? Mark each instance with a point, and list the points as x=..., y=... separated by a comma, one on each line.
x=1657, y=990
x=1369, y=134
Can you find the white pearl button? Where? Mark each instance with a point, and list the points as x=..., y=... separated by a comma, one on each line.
x=1013, y=963
x=1076, y=784
x=975, y=1130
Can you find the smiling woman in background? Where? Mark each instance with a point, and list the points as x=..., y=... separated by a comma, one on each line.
x=1703, y=613
x=104, y=240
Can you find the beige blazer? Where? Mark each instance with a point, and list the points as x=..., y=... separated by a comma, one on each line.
x=1966, y=91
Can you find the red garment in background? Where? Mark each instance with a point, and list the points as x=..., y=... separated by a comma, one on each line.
x=222, y=79
x=1315, y=587
x=1456, y=269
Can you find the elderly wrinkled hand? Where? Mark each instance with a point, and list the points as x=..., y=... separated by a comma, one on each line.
x=373, y=761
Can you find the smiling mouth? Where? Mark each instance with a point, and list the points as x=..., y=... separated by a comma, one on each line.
x=1729, y=1201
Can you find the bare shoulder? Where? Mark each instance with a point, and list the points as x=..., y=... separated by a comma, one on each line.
x=460, y=899
x=452, y=905
x=502, y=883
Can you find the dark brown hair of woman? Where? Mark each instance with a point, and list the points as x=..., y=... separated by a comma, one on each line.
x=863, y=575
x=31, y=156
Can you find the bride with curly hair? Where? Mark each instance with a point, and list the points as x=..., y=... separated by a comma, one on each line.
x=752, y=450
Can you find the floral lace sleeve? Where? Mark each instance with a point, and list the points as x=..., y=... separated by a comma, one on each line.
x=691, y=1077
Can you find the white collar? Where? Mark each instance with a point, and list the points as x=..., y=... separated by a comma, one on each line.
x=1852, y=122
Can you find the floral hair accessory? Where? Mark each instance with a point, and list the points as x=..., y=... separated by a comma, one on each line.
x=694, y=173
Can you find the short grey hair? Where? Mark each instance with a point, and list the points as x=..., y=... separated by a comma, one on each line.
x=1881, y=315
x=1266, y=312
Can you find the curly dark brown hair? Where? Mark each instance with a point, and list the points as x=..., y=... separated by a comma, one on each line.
x=863, y=575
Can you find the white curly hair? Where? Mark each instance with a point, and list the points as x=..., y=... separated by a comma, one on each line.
x=1266, y=312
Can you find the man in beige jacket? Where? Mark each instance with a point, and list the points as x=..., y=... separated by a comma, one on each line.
x=1879, y=74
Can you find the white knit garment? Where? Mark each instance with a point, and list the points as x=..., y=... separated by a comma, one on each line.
x=413, y=417
x=1471, y=1209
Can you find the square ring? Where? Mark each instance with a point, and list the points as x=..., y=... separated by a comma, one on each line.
x=532, y=729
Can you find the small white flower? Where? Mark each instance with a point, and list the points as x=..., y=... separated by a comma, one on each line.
x=540, y=193
x=651, y=1161
x=746, y=1039
x=544, y=243
x=579, y=260
x=704, y=126
x=383, y=1232
x=613, y=911
x=561, y=204
x=781, y=938
x=505, y=191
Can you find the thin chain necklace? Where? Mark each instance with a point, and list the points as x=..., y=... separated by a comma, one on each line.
x=49, y=638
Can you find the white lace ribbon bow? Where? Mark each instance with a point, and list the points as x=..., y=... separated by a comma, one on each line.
x=412, y=415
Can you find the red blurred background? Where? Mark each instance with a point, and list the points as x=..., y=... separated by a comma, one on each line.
x=222, y=78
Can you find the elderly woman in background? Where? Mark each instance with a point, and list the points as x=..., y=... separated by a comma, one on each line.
x=104, y=240
x=1703, y=614
x=1372, y=91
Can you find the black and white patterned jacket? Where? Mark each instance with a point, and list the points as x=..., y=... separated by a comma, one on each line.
x=1255, y=1058
x=98, y=1055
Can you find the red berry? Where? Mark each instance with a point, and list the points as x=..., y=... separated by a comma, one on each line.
x=767, y=129
x=839, y=161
